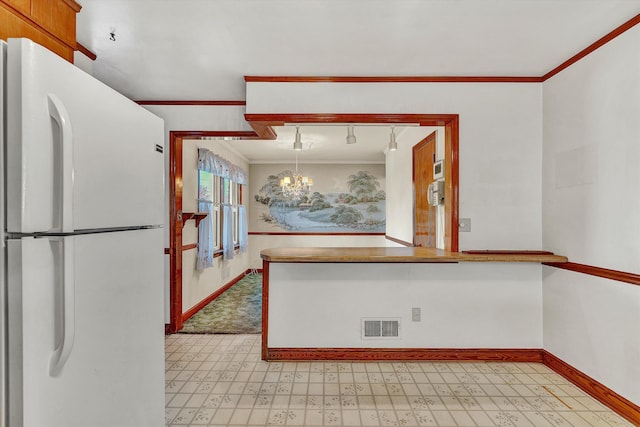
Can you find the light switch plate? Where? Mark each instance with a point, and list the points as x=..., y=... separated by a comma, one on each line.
x=464, y=224
x=416, y=314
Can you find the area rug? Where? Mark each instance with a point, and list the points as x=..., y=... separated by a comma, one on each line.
x=237, y=311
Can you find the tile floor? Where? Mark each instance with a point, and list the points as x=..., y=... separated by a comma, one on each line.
x=219, y=380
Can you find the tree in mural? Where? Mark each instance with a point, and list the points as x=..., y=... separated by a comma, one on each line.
x=364, y=186
x=346, y=215
x=318, y=202
x=270, y=192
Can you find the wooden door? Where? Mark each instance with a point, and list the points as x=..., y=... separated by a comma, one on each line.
x=424, y=220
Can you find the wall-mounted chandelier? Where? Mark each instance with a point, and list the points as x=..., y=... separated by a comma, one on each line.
x=295, y=186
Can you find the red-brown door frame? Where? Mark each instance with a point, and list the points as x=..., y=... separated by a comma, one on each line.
x=175, y=217
x=262, y=124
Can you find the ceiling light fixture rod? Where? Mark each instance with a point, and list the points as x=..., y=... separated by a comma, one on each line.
x=351, y=136
x=393, y=144
x=297, y=144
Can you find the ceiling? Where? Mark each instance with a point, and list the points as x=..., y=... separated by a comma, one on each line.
x=328, y=144
x=202, y=49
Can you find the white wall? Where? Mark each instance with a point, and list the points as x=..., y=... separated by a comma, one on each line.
x=197, y=285
x=466, y=305
x=500, y=190
x=594, y=325
x=591, y=212
x=83, y=62
x=500, y=143
x=192, y=118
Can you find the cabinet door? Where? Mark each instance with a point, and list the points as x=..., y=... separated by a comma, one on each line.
x=57, y=17
x=17, y=25
x=23, y=6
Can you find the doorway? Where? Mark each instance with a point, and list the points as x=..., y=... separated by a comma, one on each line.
x=424, y=214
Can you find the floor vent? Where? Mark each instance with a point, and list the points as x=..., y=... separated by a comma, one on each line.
x=380, y=328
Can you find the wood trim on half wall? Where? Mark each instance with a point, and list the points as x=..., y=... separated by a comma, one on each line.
x=598, y=391
x=620, y=276
x=451, y=140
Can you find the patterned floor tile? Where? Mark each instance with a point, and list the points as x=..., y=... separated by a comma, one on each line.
x=219, y=380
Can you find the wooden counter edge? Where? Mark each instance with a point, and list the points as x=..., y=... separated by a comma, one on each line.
x=342, y=255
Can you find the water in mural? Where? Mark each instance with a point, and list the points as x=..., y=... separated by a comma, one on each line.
x=360, y=208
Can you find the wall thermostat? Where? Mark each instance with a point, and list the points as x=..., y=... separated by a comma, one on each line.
x=438, y=169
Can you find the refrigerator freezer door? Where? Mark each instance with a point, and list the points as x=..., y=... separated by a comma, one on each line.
x=86, y=330
x=79, y=155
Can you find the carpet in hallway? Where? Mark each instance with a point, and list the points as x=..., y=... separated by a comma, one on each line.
x=237, y=311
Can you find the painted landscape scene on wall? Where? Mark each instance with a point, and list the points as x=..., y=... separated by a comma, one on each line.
x=358, y=207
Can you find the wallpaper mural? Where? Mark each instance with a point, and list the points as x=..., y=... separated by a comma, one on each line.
x=343, y=198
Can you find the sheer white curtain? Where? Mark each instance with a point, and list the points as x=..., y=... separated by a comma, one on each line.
x=228, y=251
x=205, y=236
x=243, y=229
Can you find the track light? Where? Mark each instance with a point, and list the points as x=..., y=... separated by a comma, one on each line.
x=297, y=145
x=351, y=137
x=393, y=145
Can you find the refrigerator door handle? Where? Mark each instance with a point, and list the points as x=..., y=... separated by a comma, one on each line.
x=59, y=113
x=63, y=350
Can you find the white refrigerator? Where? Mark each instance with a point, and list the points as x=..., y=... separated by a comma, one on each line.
x=82, y=248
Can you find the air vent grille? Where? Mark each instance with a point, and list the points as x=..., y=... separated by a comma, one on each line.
x=380, y=328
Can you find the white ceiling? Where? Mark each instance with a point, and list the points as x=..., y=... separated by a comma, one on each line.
x=328, y=144
x=202, y=49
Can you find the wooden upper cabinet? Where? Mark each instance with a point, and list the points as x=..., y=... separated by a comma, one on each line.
x=51, y=23
x=23, y=6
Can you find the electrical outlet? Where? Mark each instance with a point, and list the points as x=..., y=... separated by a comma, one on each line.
x=464, y=224
x=416, y=314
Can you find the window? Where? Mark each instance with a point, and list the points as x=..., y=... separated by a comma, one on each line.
x=220, y=195
x=209, y=194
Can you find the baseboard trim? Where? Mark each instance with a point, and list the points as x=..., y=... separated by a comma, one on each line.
x=405, y=354
x=398, y=241
x=598, y=391
x=199, y=306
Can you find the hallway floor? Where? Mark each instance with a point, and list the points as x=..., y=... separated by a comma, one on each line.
x=219, y=380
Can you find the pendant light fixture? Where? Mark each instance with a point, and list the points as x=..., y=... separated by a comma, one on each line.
x=296, y=185
x=393, y=145
x=351, y=136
